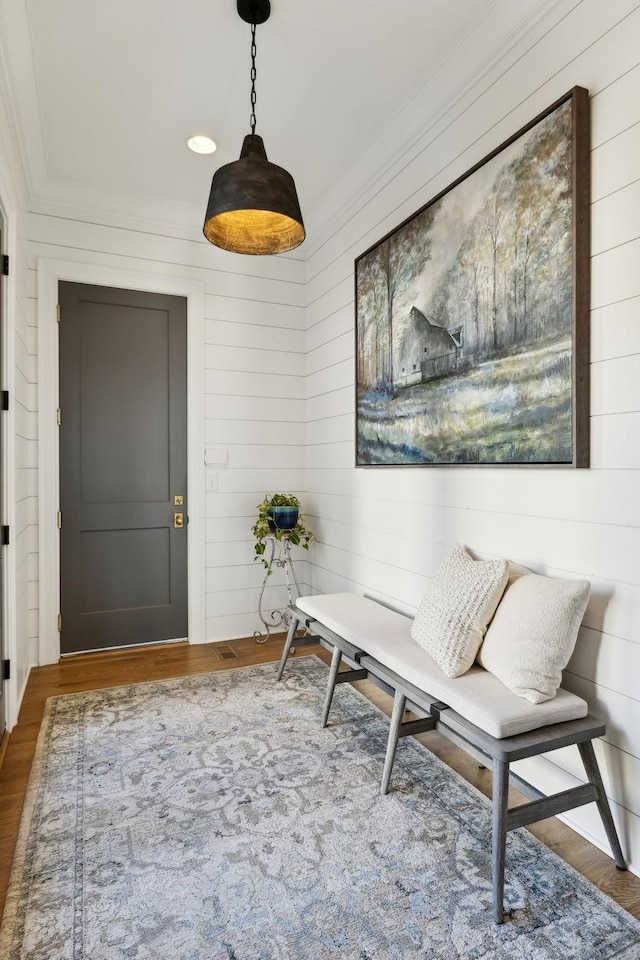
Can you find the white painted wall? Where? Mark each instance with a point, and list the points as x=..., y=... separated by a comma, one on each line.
x=383, y=531
x=19, y=453
x=25, y=404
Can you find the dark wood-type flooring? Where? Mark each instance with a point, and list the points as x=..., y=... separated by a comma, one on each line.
x=93, y=671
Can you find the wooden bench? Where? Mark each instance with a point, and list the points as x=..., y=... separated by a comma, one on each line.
x=475, y=711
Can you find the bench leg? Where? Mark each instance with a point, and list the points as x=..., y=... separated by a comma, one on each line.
x=500, y=794
x=293, y=626
x=336, y=657
x=593, y=772
x=399, y=704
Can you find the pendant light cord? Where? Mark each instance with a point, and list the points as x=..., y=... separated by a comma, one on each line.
x=254, y=50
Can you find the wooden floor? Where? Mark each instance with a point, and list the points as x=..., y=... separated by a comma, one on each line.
x=93, y=671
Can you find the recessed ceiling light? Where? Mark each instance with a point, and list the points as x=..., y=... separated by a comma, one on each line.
x=201, y=144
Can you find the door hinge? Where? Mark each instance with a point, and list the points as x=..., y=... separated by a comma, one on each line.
x=59, y=623
x=58, y=312
x=59, y=519
x=5, y=265
x=6, y=669
x=5, y=399
x=5, y=536
x=58, y=416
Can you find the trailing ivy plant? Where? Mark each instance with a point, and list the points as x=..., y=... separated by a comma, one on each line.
x=262, y=528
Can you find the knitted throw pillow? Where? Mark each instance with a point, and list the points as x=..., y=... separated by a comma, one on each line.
x=533, y=633
x=455, y=610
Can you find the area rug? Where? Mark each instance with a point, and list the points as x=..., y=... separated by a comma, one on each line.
x=211, y=817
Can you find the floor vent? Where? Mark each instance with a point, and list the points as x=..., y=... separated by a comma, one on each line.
x=227, y=653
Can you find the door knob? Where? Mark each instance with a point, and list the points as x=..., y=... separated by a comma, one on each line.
x=178, y=520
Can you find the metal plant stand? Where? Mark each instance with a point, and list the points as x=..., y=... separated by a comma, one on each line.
x=279, y=551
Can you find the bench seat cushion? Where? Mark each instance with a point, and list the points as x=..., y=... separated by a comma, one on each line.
x=477, y=695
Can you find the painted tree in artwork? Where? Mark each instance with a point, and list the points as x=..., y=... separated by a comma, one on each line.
x=374, y=363
x=510, y=283
x=493, y=222
x=386, y=277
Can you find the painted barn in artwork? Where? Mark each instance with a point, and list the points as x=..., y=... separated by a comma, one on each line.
x=427, y=350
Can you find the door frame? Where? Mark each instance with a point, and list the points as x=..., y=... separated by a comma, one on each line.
x=13, y=697
x=50, y=272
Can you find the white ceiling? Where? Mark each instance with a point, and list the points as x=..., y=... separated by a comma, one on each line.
x=104, y=95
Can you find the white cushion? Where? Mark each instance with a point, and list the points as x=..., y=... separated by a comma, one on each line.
x=356, y=619
x=455, y=610
x=478, y=695
x=533, y=633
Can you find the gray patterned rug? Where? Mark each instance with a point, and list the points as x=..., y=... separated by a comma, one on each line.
x=210, y=817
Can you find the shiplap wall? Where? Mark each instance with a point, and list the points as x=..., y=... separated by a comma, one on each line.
x=383, y=531
x=19, y=425
x=254, y=388
x=25, y=406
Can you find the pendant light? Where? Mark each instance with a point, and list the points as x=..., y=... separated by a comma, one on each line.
x=253, y=205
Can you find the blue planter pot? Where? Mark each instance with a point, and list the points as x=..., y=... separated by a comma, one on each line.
x=283, y=518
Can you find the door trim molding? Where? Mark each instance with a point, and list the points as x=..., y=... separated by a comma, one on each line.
x=8, y=507
x=50, y=272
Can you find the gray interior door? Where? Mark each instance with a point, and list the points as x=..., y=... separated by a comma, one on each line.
x=123, y=467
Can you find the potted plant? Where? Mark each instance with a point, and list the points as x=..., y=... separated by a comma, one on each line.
x=279, y=514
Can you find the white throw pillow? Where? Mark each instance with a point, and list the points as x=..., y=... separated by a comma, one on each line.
x=455, y=610
x=533, y=633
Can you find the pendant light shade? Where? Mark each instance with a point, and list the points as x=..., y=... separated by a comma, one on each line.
x=253, y=205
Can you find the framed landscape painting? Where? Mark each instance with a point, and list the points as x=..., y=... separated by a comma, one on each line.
x=472, y=317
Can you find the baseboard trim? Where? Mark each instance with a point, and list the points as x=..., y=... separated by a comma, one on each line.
x=4, y=743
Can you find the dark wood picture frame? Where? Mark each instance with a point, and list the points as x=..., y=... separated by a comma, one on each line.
x=473, y=315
